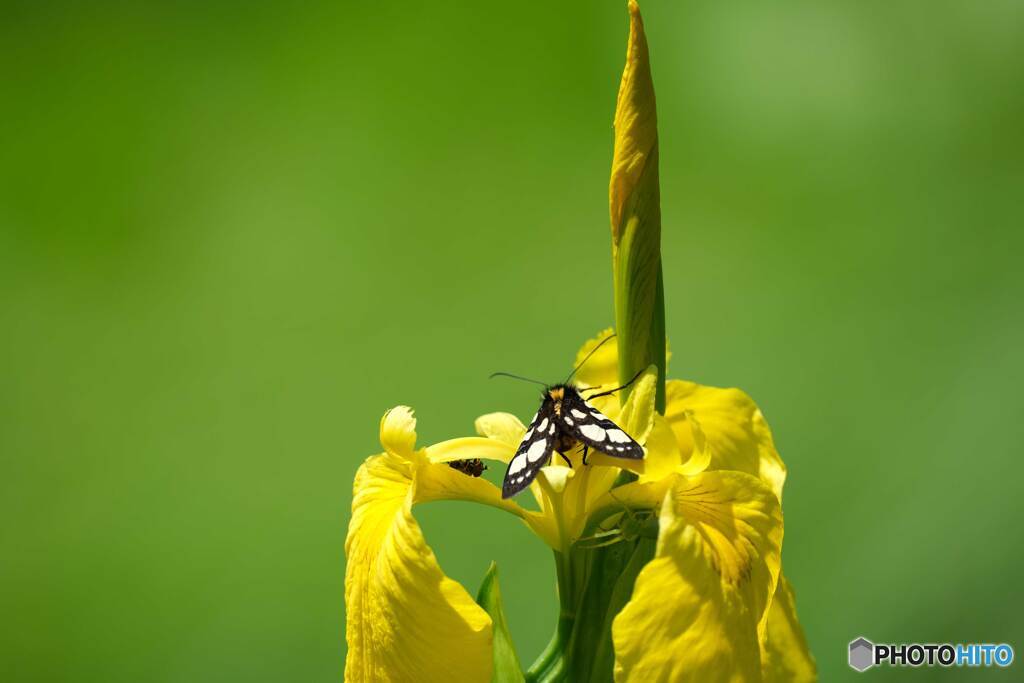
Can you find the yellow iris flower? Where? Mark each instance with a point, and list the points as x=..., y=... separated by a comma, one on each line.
x=711, y=604
x=668, y=572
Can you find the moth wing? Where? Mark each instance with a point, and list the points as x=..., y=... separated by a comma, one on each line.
x=533, y=453
x=589, y=425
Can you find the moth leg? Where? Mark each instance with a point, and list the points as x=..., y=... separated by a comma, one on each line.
x=585, y=447
x=567, y=461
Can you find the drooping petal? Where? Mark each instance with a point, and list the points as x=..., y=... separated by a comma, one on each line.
x=699, y=608
x=736, y=434
x=406, y=620
x=784, y=653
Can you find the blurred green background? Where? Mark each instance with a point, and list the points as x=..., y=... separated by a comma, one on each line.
x=233, y=234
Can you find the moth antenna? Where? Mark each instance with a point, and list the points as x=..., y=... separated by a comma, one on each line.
x=509, y=374
x=592, y=352
x=612, y=391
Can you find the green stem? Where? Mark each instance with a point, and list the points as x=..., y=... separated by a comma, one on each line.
x=551, y=666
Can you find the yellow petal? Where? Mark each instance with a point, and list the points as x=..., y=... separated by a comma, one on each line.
x=663, y=455
x=504, y=427
x=398, y=431
x=602, y=368
x=470, y=447
x=639, y=419
x=700, y=454
x=406, y=620
x=555, y=478
x=736, y=433
x=438, y=481
x=550, y=489
x=699, y=607
x=637, y=415
x=785, y=655
x=441, y=482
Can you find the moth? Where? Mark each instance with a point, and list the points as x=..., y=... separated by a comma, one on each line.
x=565, y=420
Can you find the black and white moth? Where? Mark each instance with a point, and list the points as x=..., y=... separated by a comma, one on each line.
x=564, y=420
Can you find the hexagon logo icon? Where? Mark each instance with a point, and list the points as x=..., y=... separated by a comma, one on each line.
x=862, y=654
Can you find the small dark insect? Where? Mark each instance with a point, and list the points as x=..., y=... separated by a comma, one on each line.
x=564, y=420
x=474, y=467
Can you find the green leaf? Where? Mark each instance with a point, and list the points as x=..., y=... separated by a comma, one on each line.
x=639, y=285
x=506, y=662
x=612, y=571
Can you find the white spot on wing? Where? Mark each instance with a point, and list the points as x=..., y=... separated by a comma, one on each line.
x=592, y=432
x=568, y=421
x=595, y=413
x=618, y=436
x=578, y=413
x=551, y=429
x=543, y=425
x=518, y=463
x=536, y=450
